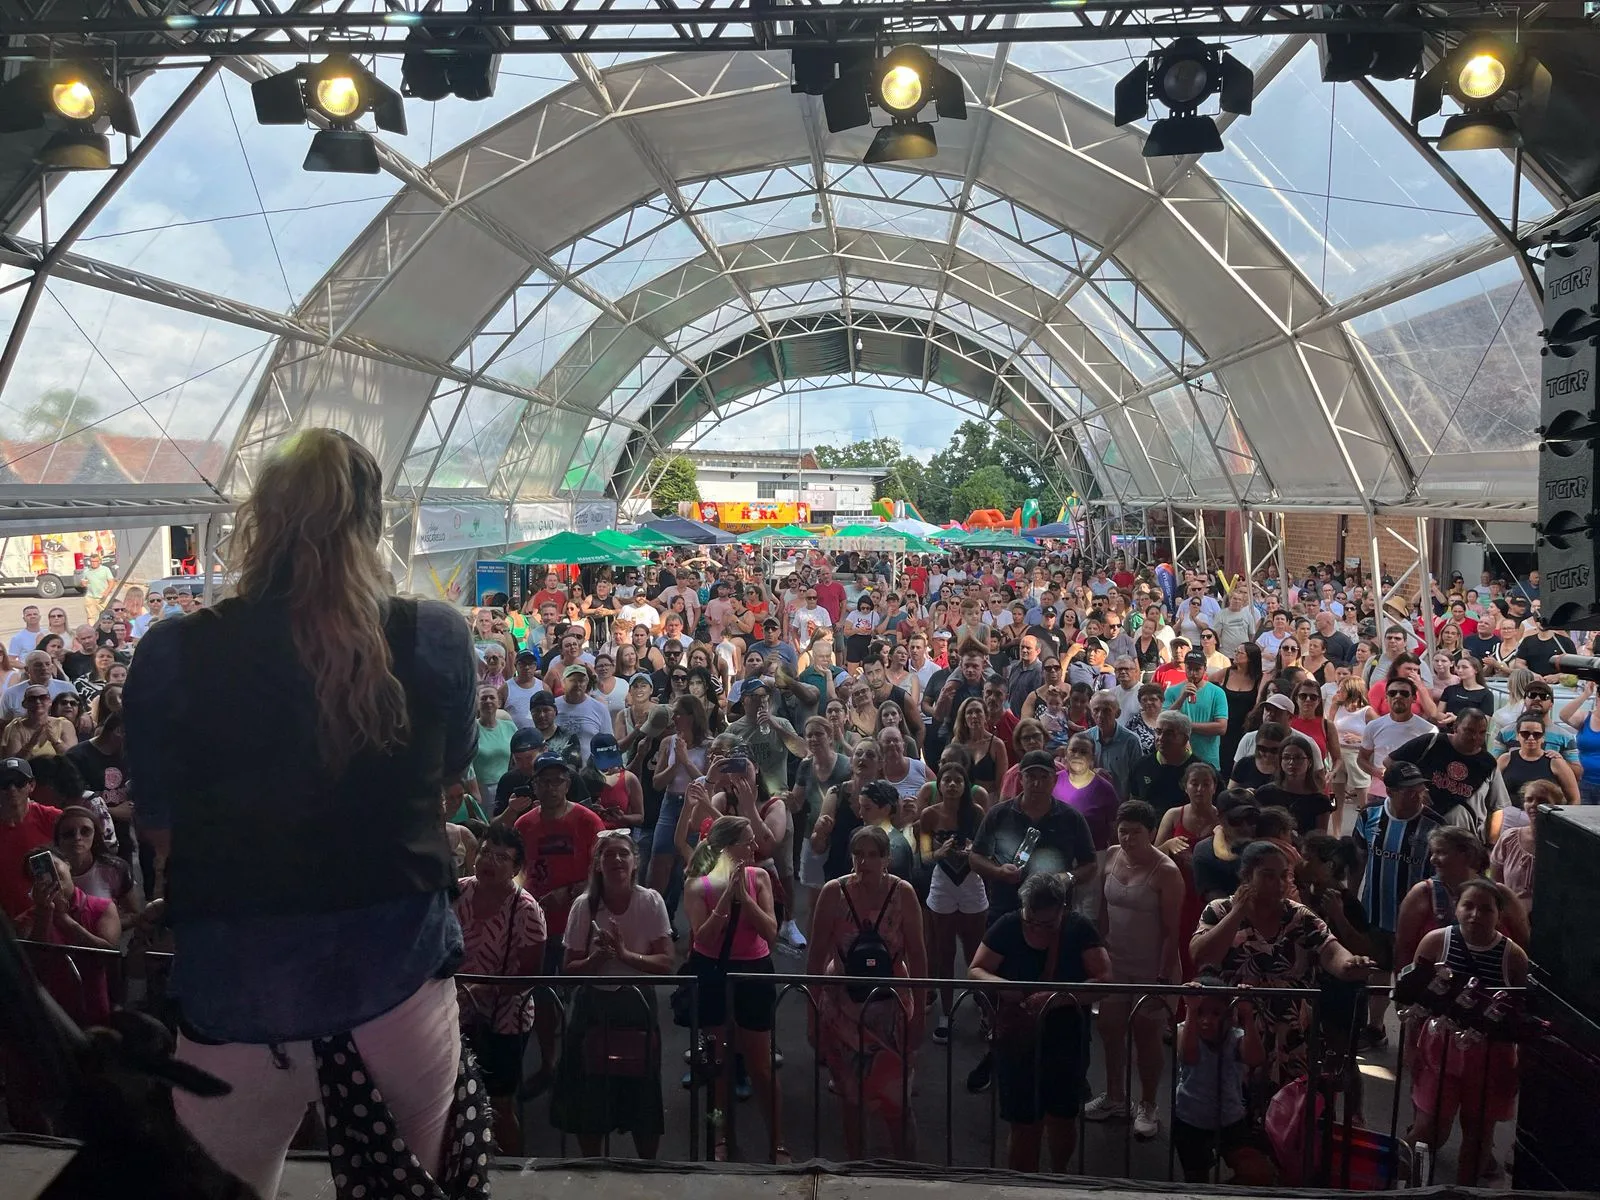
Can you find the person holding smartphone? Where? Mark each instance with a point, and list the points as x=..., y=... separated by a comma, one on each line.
x=1030, y=835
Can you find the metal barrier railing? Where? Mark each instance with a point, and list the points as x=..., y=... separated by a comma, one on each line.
x=1332, y=1062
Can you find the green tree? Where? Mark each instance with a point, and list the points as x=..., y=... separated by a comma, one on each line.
x=59, y=413
x=869, y=452
x=677, y=482
x=987, y=487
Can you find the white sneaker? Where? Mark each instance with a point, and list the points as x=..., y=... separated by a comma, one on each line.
x=791, y=934
x=1145, y=1122
x=1104, y=1108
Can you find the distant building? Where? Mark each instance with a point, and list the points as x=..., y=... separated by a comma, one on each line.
x=750, y=488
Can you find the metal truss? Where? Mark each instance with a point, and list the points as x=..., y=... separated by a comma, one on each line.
x=27, y=509
x=670, y=25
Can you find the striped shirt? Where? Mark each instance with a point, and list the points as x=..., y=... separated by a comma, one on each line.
x=1397, y=859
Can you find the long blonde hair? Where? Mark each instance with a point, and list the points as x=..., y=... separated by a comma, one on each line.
x=308, y=537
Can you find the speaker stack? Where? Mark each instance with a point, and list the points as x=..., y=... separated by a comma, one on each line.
x=1569, y=521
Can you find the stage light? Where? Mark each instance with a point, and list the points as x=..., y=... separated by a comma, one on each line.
x=902, y=140
x=1180, y=77
x=339, y=91
x=1391, y=54
x=900, y=90
x=73, y=99
x=1492, y=81
x=463, y=61
x=903, y=82
x=338, y=97
x=78, y=103
x=1481, y=77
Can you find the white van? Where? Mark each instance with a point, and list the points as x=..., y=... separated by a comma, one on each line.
x=49, y=564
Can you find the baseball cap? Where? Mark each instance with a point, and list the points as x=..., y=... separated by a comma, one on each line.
x=769, y=623
x=542, y=700
x=524, y=740
x=1093, y=643
x=1037, y=760
x=752, y=687
x=1404, y=775
x=12, y=769
x=603, y=752
x=527, y=656
x=1279, y=701
x=643, y=678
x=548, y=761
x=1195, y=658
x=575, y=669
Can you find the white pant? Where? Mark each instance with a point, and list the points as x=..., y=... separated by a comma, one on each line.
x=412, y=1053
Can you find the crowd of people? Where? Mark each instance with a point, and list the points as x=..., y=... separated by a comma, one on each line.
x=985, y=767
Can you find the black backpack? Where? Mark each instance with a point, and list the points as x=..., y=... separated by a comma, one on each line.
x=869, y=956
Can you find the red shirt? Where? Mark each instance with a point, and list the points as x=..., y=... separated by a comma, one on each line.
x=559, y=853
x=1168, y=674
x=545, y=596
x=1004, y=729
x=1123, y=579
x=831, y=597
x=37, y=827
x=917, y=580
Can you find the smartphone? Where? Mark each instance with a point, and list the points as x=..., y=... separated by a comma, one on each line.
x=1025, y=851
x=42, y=866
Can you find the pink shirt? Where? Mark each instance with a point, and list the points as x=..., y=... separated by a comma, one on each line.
x=87, y=1002
x=748, y=945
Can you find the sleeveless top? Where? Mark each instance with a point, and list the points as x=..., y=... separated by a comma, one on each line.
x=613, y=795
x=1487, y=966
x=846, y=821
x=967, y=818
x=1314, y=728
x=983, y=769
x=1519, y=772
x=748, y=945
x=1133, y=925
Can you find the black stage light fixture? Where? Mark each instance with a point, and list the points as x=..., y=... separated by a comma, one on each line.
x=903, y=83
x=814, y=69
x=1346, y=57
x=78, y=102
x=1492, y=80
x=340, y=91
x=1180, y=76
x=462, y=61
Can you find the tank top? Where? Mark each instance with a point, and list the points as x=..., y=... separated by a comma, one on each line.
x=1350, y=721
x=613, y=795
x=1519, y=772
x=1588, y=748
x=1314, y=728
x=748, y=945
x=1133, y=925
x=983, y=769
x=966, y=829
x=1487, y=966
x=517, y=699
x=845, y=822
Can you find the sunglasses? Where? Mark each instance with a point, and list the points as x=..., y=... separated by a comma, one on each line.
x=1537, y=695
x=1531, y=734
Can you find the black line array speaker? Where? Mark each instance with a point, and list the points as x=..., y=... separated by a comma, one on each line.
x=1558, y=1103
x=1569, y=430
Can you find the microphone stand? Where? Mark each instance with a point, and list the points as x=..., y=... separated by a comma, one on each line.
x=112, y=1087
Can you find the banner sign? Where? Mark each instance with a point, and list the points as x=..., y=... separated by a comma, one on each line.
x=442, y=528
x=767, y=512
x=591, y=516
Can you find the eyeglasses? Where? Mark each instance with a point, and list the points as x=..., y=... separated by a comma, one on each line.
x=680, y=679
x=1398, y=693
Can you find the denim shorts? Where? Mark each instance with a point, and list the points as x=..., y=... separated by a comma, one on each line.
x=667, y=824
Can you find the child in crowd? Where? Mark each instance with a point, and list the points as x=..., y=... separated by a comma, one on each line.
x=1216, y=1048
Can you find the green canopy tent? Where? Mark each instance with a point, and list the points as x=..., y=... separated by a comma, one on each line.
x=792, y=533
x=626, y=542
x=568, y=547
x=897, y=539
x=998, y=539
x=655, y=539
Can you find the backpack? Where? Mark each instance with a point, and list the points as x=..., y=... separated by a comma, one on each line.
x=868, y=955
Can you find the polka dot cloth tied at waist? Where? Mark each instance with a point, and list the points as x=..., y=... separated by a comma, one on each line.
x=370, y=1159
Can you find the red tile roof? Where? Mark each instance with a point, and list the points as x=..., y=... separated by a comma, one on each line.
x=91, y=457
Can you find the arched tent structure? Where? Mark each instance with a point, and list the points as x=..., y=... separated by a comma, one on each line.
x=542, y=292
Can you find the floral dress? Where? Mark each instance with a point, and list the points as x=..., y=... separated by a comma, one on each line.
x=1288, y=960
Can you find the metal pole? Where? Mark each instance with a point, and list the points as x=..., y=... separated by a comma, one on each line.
x=1283, y=564
x=1249, y=552
x=1200, y=537
x=1375, y=572
x=1425, y=591
x=1172, y=535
